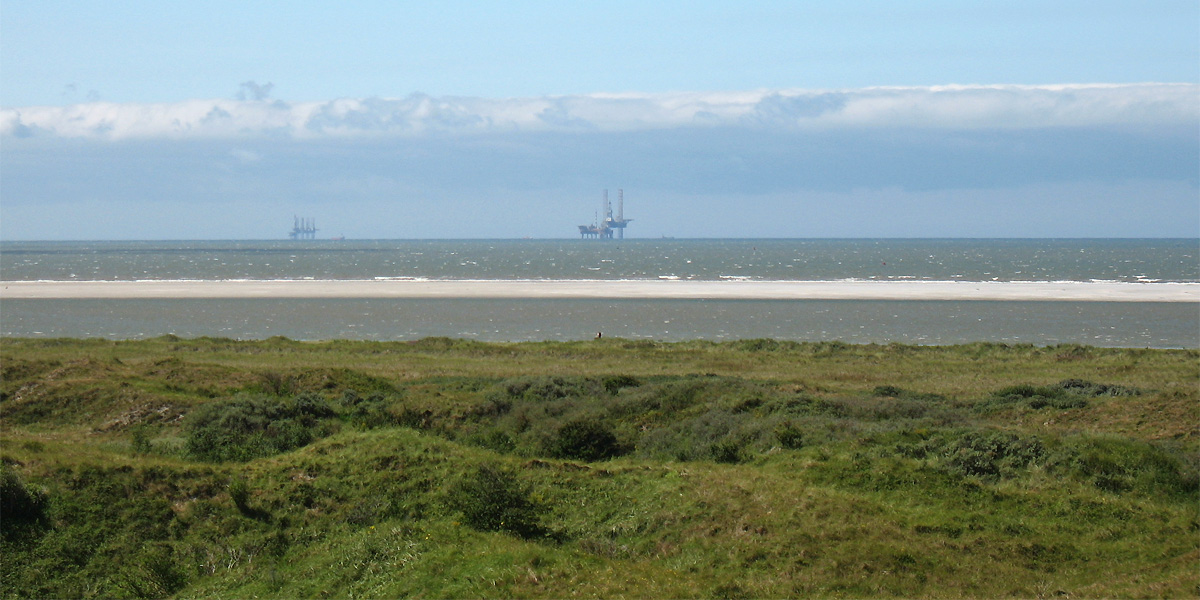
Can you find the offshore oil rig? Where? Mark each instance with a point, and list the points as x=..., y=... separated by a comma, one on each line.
x=603, y=229
x=303, y=228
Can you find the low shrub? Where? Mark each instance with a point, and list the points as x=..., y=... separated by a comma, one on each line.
x=239, y=492
x=991, y=455
x=584, y=439
x=789, y=436
x=676, y=395
x=717, y=435
x=312, y=405
x=495, y=440
x=615, y=383
x=277, y=384
x=726, y=451
x=20, y=506
x=247, y=427
x=764, y=345
x=549, y=388
x=891, y=391
x=369, y=412
x=1067, y=394
x=495, y=405
x=881, y=408
x=492, y=498
x=446, y=344
x=671, y=396
x=888, y=391
x=157, y=573
x=1121, y=465
x=415, y=419
x=1096, y=390
x=139, y=440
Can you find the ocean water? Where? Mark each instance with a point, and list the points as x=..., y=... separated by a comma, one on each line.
x=1118, y=324
x=943, y=260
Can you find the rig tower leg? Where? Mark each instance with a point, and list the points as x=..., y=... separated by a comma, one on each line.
x=621, y=212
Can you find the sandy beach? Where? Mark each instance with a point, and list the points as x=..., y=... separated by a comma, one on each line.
x=666, y=289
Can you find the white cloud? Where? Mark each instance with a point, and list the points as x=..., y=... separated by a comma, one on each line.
x=939, y=107
x=1018, y=161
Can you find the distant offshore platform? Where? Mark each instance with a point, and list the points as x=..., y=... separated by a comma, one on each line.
x=303, y=228
x=603, y=229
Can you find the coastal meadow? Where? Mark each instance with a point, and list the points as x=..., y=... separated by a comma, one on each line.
x=444, y=467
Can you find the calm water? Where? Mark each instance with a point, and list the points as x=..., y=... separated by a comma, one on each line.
x=942, y=322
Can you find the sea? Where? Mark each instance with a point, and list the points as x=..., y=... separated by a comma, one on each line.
x=1110, y=324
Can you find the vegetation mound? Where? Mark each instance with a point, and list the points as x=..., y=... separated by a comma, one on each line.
x=452, y=468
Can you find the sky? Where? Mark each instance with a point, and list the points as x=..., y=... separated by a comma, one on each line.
x=224, y=120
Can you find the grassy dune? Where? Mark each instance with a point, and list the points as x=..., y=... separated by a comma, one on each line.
x=611, y=468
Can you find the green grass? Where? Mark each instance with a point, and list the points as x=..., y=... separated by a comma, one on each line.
x=614, y=468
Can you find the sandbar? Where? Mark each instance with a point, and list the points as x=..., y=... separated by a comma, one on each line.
x=608, y=289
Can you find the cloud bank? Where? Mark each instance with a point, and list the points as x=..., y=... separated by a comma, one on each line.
x=999, y=107
x=949, y=161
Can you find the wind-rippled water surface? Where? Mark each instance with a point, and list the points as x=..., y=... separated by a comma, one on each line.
x=1168, y=260
x=1116, y=324
x=1125, y=324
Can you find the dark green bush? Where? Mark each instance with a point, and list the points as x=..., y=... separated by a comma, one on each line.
x=495, y=405
x=673, y=395
x=757, y=345
x=549, y=388
x=492, y=498
x=277, y=384
x=157, y=573
x=880, y=408
x=992, y=455
x=415, y=419
x=20, y=507
x=239, y=492
x=891, y=391
x=312, y=405
x=446, y=344
x=1096, y=390
x=539, y=416
x=369, y=412
x=495, y=440
x=584, y=439
x=139, y=440
x=1059, y=403
x=718, y=435
x=1066, y=394
x=677, y=395
x=1121, y=465
x=726, y=451
x=247, y=427
x=1034, y=397
x=789, y=436
x=803, y=404
x=748, y=404
x=614, y=383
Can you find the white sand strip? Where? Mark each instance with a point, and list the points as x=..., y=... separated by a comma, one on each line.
x=717, y=290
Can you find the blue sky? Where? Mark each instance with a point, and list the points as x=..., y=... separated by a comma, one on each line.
x=150, y=120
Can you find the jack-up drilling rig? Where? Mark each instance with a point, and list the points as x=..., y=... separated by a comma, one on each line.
x=303, y=229
x=603, y=229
